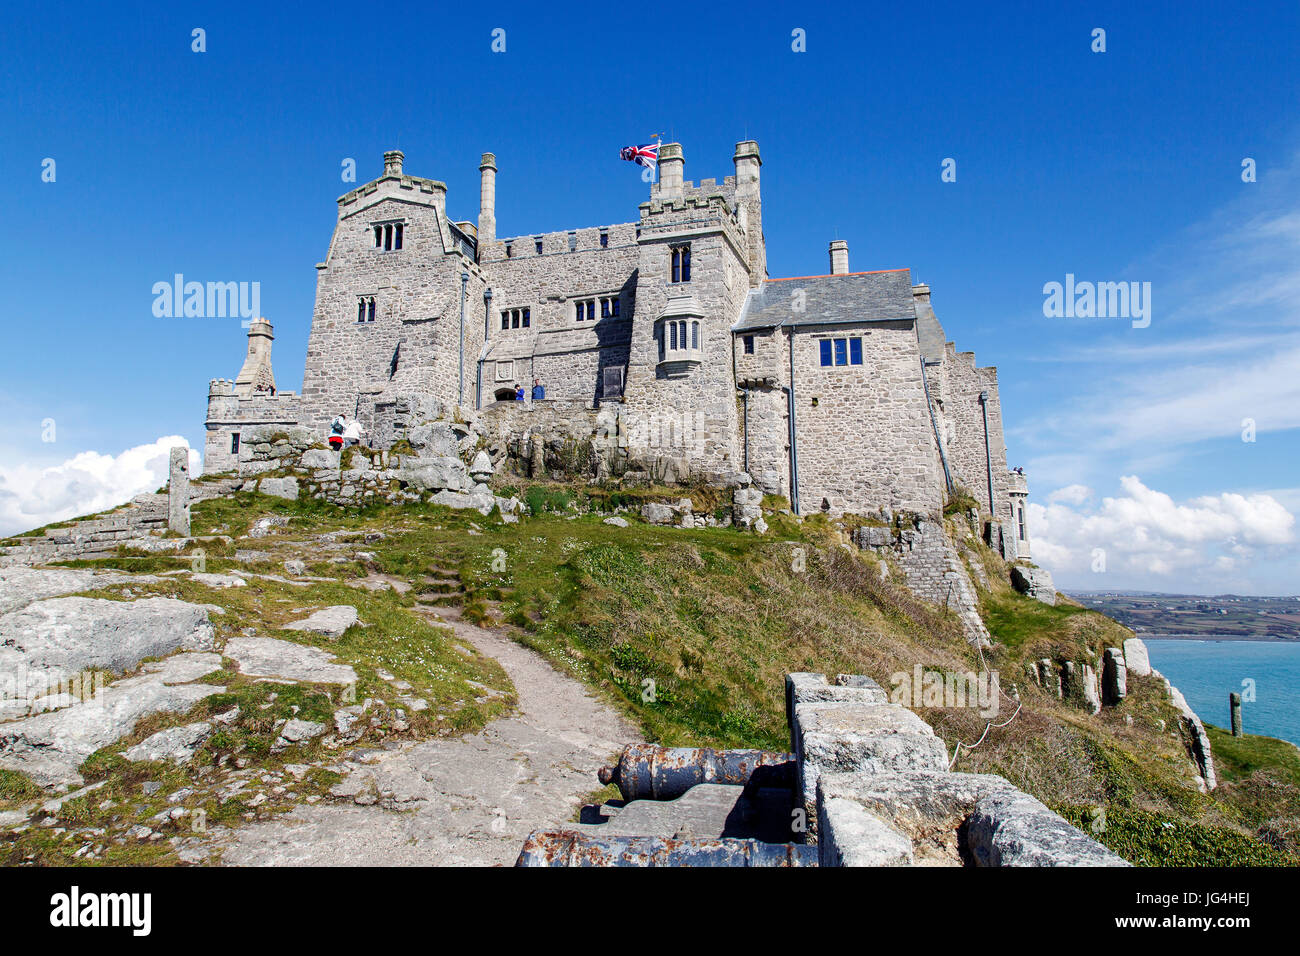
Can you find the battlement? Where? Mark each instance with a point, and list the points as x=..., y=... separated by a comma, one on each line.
x=561, y=242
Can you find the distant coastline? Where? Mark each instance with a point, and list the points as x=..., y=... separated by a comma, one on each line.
x=1212, y=638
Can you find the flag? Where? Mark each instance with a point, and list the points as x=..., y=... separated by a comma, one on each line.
x=647, y=155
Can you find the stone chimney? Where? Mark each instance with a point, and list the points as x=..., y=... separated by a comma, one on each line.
x=256, y=375
x=747, y=163
x=487, y=200
x=839, y=257
x=671, y=167
x=393, y=162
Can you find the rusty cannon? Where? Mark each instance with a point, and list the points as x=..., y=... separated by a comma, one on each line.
x=649, y=772
x=568, y=848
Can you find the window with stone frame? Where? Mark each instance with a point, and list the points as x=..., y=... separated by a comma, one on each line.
x=516, y=318
x=681, y=263
x=584, y=310
x=234, y=447
x=389, y=235
x=678, y=336
x=749, y=345
x=365, y=308
x=609, y=307
x=845, y=351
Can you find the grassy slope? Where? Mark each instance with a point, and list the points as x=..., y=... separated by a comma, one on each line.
x=691, y=631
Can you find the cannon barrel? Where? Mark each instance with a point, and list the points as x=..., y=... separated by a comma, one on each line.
x=572, y=848
x=648, y=772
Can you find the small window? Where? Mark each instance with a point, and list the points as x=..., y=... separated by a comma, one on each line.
x=695, y=335
x=505, y=319
x=604, y=308
x=398, y=243
x=527, y=317
x=613, y=308
x=749, y=345
x=604, y=239
x=826, y=352
x=573, y=241
x=1020, y=513
x=365, y=308
x=234, y=450
x=510, y=251
x=681, y=263
x=841, y=352
x=855, y=351
x=538, y=243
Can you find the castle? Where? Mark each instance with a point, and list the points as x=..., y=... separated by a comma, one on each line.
x=839, y=392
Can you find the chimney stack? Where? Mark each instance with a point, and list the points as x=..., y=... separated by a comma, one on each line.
x=487, y=200
x=747, y=163
x=393, y=162
x=839, y=257
x=671, y=166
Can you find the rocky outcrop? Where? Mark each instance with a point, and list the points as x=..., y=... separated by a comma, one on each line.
x=329, y=621
x=1033, y=582
x=48, y=643
x=268, y=657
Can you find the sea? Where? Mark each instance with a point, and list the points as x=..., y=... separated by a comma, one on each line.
x=1206, y=671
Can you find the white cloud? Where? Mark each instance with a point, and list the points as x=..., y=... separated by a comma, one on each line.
x=1070, y=495
x=1148, y=540
x=89, y=482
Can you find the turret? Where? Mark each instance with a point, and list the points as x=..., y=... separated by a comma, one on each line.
x=256, y=375
x=672, y=167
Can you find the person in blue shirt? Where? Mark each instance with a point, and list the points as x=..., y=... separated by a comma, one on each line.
x=519, y=393
x=539, y=392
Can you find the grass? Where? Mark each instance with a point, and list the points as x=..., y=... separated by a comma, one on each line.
x=689, y=632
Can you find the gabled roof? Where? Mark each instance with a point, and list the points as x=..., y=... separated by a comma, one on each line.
x=830, y=300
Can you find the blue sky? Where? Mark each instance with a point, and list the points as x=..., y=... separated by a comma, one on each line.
x=1115, y=166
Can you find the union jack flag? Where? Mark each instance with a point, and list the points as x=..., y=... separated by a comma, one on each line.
x=647, y=155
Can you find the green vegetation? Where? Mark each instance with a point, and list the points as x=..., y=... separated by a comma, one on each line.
x=689, y=632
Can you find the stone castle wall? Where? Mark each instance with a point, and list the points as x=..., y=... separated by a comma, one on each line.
x=959, y=385
x=864, y=434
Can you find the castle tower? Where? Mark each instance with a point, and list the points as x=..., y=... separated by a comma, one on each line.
x=390, y=301
x=693, y=275
x=487, y=200
x=256, y=375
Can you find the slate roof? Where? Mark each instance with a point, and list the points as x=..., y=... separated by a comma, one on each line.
x=831, y=300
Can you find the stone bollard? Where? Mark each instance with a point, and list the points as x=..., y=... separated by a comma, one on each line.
x=1234, y=708
x=178, y=491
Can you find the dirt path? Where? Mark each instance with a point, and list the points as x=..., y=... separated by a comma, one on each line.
x=463, y=801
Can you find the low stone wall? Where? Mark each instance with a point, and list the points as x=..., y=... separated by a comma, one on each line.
x=139, y=524
x=874, y=778
x=867, y=785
